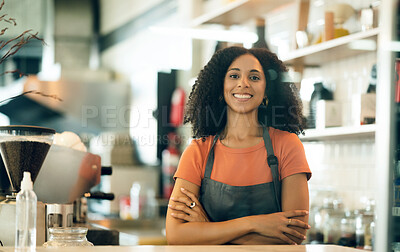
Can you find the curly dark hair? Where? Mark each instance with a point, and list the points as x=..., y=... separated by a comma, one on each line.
x=207, y=112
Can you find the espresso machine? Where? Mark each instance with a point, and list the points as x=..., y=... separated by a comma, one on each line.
x=23, y=148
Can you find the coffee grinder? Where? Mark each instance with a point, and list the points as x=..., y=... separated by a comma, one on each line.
x=23, y=148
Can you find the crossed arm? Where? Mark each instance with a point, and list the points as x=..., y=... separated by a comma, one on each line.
x=191, y=226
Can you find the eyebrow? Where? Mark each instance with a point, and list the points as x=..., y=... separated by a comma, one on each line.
x=237, y=69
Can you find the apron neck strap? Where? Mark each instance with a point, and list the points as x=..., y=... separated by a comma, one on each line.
x=210, y=159
x=273, y=164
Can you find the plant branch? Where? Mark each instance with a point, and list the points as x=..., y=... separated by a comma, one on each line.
x=14, y=71
x=32, y=92
x=13, y=45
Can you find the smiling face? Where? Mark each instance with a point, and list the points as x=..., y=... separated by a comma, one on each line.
x=244, y=84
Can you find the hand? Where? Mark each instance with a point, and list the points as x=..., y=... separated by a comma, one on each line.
x=187, y=213
x=279, y=224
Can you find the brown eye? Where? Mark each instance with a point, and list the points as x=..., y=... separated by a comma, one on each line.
x=254, y=78
x=234, y=76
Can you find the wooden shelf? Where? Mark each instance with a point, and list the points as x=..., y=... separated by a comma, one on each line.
x=339, y=133
x=238, y=12
x=335, y=49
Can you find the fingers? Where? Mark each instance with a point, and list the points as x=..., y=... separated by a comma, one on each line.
x=294, y=233
x=298, y=223
x=188, y=201
x=295, y=213
x=183, y=208
x=286, y=239
x=182, y=216
x=185, y=200
x=190, y=195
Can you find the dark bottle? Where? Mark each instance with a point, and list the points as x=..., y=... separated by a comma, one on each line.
x=396, y=171
x=260, y=29
x=372, y=80
x=220, y=45
x=319, y=93
x=396, y=197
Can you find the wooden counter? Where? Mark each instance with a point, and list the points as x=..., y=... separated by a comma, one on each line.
x=226, y=248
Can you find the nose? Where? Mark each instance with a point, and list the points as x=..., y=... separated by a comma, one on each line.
x=244, y=82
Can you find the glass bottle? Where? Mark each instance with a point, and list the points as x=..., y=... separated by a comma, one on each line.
x=364, y=219
x=372, y=231
x=143, y=201
x=314, y=234
x=319, y=93
x=260, y=29
x=372, y=80
x=220, y=45
x=25, y=237
x=331, y=215
x=67, y=237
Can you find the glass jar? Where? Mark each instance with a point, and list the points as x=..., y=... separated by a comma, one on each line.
x=67, y=237
x=364, y=235
x=348, y=230
x=331, y=216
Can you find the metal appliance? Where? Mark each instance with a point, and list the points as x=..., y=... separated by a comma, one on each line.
x=58, y=182
x=23, y=148
x=59, y=215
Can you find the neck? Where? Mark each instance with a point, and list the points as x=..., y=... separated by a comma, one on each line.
x=242, y=126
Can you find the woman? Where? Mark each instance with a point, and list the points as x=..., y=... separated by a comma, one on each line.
x=243, y=180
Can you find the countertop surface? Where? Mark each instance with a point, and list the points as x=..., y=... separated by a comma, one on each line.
x=132, y=233
x=222, y=248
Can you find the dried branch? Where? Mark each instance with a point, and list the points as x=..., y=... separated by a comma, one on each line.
x=20, y=41
x=8, y=20
x=3, y=31
x=12, y=46
x=14, y=39
x=32, y=92
x=14, y=71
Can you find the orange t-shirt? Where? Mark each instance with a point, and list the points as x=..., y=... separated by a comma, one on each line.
x=244, y=166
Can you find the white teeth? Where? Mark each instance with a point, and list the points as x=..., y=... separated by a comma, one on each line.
x=242, y=96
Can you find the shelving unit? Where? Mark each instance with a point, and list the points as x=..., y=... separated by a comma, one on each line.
x=241, y=11
x=339, y=133
x=316, y=55
x=335, y=49
x=238, y=12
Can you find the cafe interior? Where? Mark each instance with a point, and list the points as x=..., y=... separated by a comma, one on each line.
x=105, y=84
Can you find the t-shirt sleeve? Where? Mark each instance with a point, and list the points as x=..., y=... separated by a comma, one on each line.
x=191, y=163
x=293, y=157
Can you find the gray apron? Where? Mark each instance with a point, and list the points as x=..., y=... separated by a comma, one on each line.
x=225, y=202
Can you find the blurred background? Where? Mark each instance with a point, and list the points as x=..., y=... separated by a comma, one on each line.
x=124, y=70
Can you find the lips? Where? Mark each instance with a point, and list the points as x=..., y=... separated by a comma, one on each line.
x=242, y=96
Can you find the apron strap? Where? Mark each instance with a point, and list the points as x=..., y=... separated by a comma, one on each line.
x=273, y=164
x=210, y=159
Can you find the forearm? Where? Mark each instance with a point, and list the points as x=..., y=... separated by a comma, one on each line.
x=256, y=239
x=209, y=233
x=295, y=196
